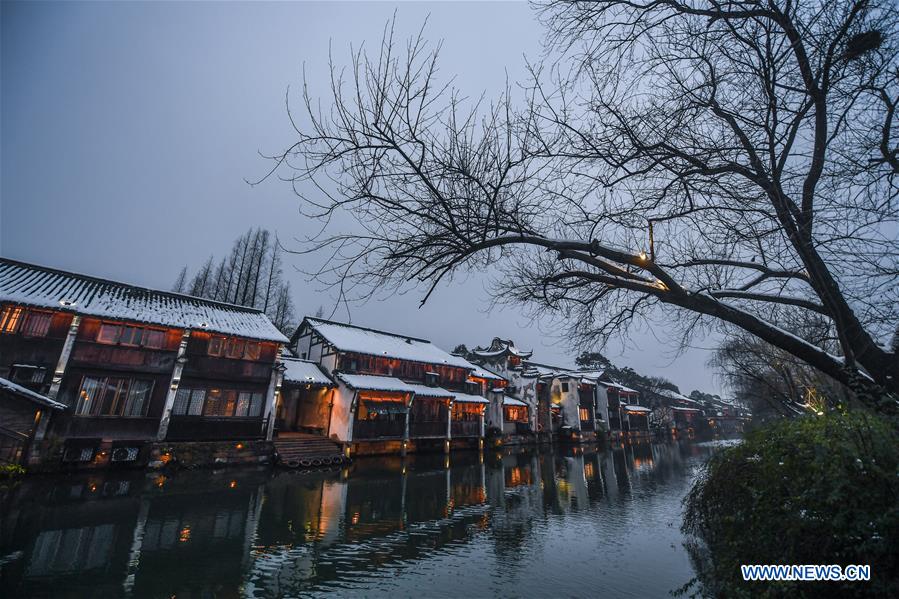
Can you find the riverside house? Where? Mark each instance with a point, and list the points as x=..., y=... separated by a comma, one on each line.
x=129, y=374
x=391, y=393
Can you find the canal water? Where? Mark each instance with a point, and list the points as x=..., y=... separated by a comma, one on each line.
x=550, y=523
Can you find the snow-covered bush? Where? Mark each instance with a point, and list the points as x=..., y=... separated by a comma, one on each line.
x=812, y=490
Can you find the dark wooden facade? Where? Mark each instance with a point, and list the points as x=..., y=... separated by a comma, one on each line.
x=118, y=357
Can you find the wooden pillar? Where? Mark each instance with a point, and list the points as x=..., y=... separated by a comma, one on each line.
x=63, y=361
x=40, y=430
x=175, y=381
x=406, y=426
x=449, y=426
x=481, y=429
x=351, y=417
x=272, y=395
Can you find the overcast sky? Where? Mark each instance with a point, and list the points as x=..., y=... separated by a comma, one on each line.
x=128, y=130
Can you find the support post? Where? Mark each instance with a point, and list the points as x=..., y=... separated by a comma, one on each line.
x=273, y=394
x=406, y=427
x=174, y=382
x=449, y=426
x=40, y=430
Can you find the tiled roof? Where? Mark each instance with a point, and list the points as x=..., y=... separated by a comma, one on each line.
x=370, y=382
x=361, y=340
x=305, y=372
x=11, y=387
x=511, y=401
x=43, y=287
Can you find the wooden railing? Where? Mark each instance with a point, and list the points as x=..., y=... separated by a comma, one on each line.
x=112, y=427
x=378, y=429
x=465, y=428
x=427, y=429
x=209, y=428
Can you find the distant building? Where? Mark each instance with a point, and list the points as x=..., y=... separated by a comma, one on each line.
x=391, y=392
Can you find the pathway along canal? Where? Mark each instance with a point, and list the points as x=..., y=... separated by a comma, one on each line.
x=518, y=523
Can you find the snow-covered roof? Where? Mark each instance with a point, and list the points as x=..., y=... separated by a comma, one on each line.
x=675, y=395
x=361, y=340
x=42, y=287
x=630, y=408
x=305, y=372
x=482, y=372
x=511, y=401
x=468, y=398
x=370, y=382
x=679, y=409
x=425, y=391
x=19, y=390
x=620, y=388
x=500, y=347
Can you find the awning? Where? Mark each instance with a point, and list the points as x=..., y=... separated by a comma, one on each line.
x=369, y=382
x=467, y=398
x=425, y=391
x=679, y=409
x=511, y=401
x=305, y=372
x=628, y=408
x=385, y=407
x=20, y=391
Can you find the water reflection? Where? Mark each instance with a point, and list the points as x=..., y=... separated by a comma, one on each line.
x=511, y=523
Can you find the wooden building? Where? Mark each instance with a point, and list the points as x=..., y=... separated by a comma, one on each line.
x=502, y=358
x=133, y=366
x=392, y=393
x=21, y=412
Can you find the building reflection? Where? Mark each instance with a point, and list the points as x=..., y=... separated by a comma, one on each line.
x=239, y=532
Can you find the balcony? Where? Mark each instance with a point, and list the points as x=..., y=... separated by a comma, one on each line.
x=111, y=427
x=424, y=430
x=378, y=429
x=465, y=428
x=210, y=428
x=516, y=428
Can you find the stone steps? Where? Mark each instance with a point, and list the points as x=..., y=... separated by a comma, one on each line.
x=308, y=452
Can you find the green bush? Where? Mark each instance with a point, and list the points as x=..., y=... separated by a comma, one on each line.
x=816, y=490
x=10, y=471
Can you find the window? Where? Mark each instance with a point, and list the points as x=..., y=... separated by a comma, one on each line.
x=564, y=387
x=189, y=402
x=138, y=398
x=585, y=414
x=154, y=338
x=10, y=319
x=24, y=373
x=252, y=350
x=130, y=336
x=109, y=333
x=234, y=348
x=216, y=345
x=36, y=324
x=113, y=396
x=217, y=403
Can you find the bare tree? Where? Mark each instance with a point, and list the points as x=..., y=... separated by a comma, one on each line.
x=774, y=382
x=242, y=279
x=180, y=281
x=734, y=161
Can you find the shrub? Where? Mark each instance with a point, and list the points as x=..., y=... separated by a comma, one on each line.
x=814, y=490
x=10, y=471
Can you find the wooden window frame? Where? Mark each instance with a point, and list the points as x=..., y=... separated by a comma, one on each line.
x=26, y=320
x=11, y=319
x=118, y=402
